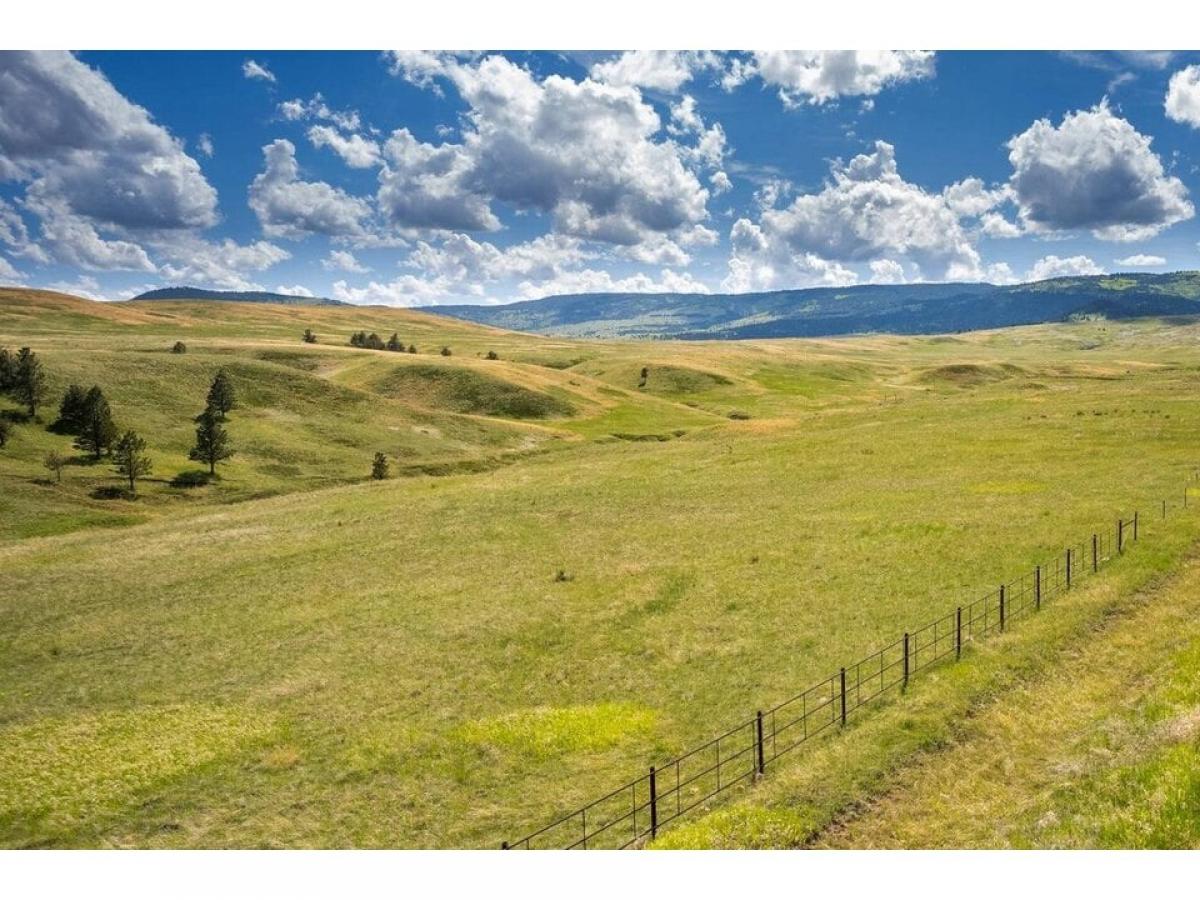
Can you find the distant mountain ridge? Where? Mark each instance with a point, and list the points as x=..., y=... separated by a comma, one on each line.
x=191, y=293
x=816, y=312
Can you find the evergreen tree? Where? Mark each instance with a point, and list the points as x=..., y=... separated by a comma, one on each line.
x=374, y=341
x=309, y=337
x=212, y=443
x=180, y=347
x=8, y=370
x=131, y=459
x=379, y=467
x=220, y=395
x=55, y=461
x=71, y=410
x=492, y=354
x=412, y=348
x=5, y=430
x=29, y=381
x=446, y=351
x=98, y=430
x=394, y=344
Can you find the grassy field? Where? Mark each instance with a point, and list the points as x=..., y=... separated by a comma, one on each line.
x=575, y=576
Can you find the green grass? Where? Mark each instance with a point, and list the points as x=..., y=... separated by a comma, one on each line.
x=415, y=673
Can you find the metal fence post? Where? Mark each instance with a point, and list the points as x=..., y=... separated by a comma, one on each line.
x=758, y=729
x=1037, y=587
x=906, y=659
x=1095, y=555
x=1164, y=504
x=843, y=677
x=1135, y=524
x=958, y=634
x=1120, y=536
x=1001, y=607
x=1068, y=568
x=654, y=802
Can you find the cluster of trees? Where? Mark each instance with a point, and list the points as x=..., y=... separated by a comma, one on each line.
x=373, y=341
x=88, y=416
x=23, y=378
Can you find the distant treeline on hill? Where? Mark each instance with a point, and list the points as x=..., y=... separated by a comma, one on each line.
x=816, y=312
x=190, y=293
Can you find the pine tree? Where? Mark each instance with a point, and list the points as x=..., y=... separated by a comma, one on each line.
x=374, y=341
x=412, y=348
x=55, y=461
x=71, y=411
x=394, y=344
x=379, y=467
x=131, y=459
x=29, y=381
x=179, y=347
x=98, y=430
x=309, y=337
x=212, y=443
x=8, y=370
x=220, y=395
x=5, y=430
x=492, y=354
x=446, y=351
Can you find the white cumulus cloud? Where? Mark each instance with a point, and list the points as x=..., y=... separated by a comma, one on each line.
x=289, y=207
x=1142, y=259
x=257, y=71
x=1094, y=171
x=1057, y=267
x=1183, y=96
x=821, y=76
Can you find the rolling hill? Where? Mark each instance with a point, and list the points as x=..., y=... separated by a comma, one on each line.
x=191, y=293
x=815, y=312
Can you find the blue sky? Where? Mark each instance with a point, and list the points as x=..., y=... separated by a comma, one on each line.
x=413, y=178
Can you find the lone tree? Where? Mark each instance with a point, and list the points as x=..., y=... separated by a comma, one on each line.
x=8, y=370
x=395, y=344
x=309, y=337
x=71, y=411
x=5, y=430
x=492, y=354
x=212, y=443
x=131, y=459
x=379, y=467
x=412, y=348
x=180, y=347
x=29, y=381
x=98, y=430
x=55, y=461
x=446, y=351
x=220, y=395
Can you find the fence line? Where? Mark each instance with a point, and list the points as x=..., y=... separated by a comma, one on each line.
x=639, y=809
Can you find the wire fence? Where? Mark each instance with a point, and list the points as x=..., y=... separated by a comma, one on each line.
x=640, y=809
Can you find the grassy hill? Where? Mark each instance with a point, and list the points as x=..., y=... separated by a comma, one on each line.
x=815, y=312
x=580, y=571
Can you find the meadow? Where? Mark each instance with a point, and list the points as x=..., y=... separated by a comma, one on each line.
x=573, y=574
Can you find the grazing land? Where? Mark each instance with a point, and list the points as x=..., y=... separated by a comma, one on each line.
x=590, y=556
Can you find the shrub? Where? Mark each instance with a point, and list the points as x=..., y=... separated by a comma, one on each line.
x=446, y=351
x=180, y=347
x=738, y=414
x=492, y=354
x=379, y=467
x=309, y=337
x=412, y=348
x=54, y=462
x=191, y=478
